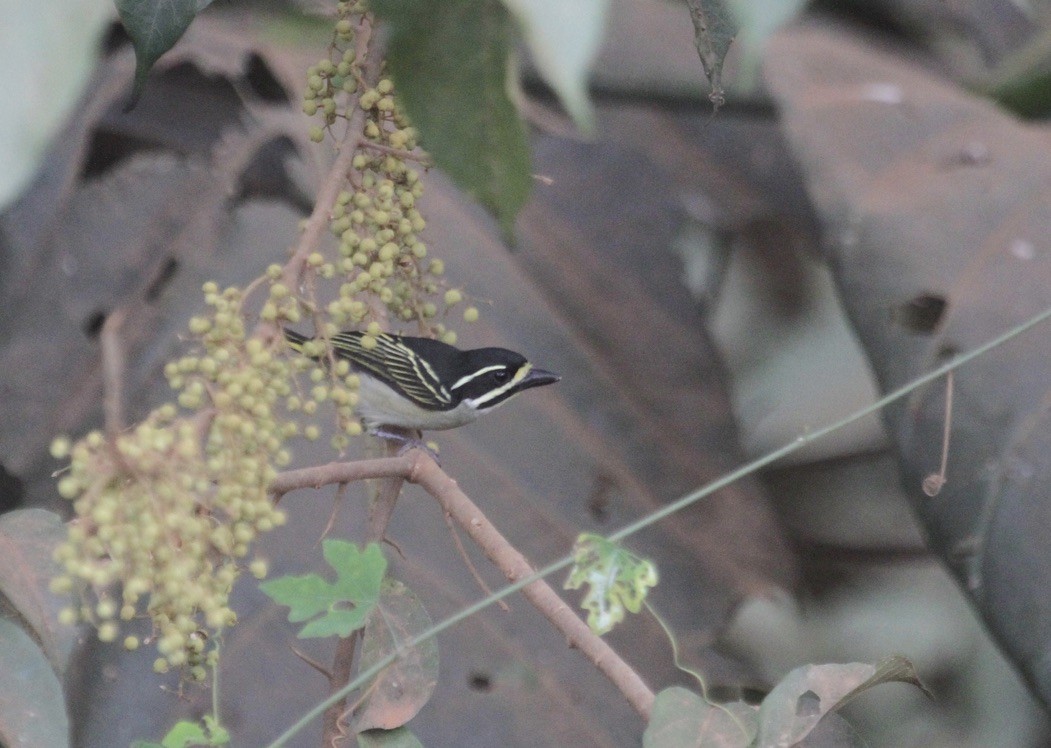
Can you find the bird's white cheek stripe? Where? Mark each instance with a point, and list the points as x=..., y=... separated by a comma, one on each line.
x=464, y=380
x=518, y=377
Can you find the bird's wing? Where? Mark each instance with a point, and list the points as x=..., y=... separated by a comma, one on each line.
x=396, y=364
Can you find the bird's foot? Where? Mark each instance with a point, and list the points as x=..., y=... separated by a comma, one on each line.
x=408, y=439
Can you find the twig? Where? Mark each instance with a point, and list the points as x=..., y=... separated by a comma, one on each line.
x=337, y=501
x=392, y=151
x=113, y=375
x=380, y=510
x=418, y=467
x=514, y=565
x=340, y=472
x=312, y=662
x=468, y=563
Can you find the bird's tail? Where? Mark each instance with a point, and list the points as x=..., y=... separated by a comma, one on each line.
x=296, y=340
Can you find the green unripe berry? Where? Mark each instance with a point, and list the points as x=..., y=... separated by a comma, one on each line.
x=106, y=609
x=317, y=133
x=310, y=108
x=108, y=631
x=60, y=447
x=453, y=297
x=258, y=568
x=470, y=314
x=68, y=487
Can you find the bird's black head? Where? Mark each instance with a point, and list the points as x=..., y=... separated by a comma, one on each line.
x=489, y=376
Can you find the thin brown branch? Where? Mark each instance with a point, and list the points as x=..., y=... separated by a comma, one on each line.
x=341, y=472
x=416, y=466
x=469, y=564
x=401, y=153
x=113, y=375
x=311, y=661
x=514, y=565
x=337, y=502
x=381, y=507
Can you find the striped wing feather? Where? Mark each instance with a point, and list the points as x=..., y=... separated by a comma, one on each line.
x=396, y=364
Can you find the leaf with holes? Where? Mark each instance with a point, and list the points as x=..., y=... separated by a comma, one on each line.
x=808, y=694
x=154, y=27
x=937, y=209
x=451, y=64
x=28, y=537
x=339, y=607
x=617, y=580
x=403, y=687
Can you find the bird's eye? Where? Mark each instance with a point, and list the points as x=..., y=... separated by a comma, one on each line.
x=501, y=376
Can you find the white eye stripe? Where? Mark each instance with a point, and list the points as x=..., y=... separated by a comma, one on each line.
x=491, y=394
x=464, y=380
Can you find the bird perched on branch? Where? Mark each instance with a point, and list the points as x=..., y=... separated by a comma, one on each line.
x=420, y=384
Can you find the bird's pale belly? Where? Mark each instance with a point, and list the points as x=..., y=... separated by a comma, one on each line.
x=379, y=405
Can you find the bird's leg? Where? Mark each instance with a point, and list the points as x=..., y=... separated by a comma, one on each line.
x=408, y=438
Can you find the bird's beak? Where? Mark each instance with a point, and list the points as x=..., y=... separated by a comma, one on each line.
x=538, y=378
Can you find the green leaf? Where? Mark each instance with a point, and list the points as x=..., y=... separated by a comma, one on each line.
x=154, y=26
x=402, y=688
x=32, y=710
x=564, y=37
x=682, y=719
x=450, y=62
x=618, y=580
x=399, y=738
x=338, y=607
x=185, y=734
x=809, y=693
x=28, y=537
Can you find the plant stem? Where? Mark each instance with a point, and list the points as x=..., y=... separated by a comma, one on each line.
x=381, y=507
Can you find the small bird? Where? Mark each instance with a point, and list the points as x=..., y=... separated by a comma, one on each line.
x=420, y=384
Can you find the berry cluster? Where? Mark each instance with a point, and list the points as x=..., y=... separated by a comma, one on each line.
x=168, y=509
x=166, y=512
x=381, y=256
